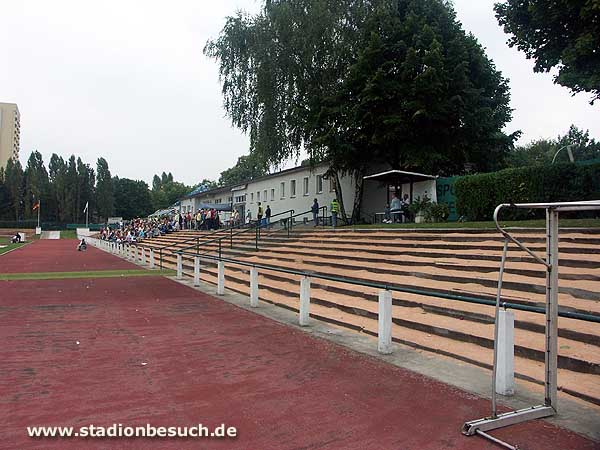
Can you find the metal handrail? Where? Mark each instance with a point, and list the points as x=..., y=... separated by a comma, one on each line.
x=196, y=239
x=406, y=290
x=557, y=206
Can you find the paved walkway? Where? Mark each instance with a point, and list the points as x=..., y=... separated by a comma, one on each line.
x=149, y=350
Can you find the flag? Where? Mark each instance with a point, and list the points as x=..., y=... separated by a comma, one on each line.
x=86, y=207
x=36, y=205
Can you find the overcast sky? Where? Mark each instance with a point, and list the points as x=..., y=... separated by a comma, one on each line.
x=127, y=80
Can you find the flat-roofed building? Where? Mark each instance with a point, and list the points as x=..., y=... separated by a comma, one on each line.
x=296, y=189
x=10, y=133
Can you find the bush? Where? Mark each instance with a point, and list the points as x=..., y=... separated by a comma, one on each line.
x=432, y=212
x=478, y=195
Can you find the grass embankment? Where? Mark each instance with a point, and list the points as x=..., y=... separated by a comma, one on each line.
x=68, y=234
x=88, y=274
x=565, y=223
x=6, y=246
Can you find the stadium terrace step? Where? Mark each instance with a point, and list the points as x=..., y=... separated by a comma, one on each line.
x=456, y=261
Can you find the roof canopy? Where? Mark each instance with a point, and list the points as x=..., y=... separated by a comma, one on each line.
x=398, y=177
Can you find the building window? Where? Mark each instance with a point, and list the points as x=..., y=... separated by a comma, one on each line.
x=272, y=194
x=292, y=188
x=331, y=184
x=282, y=188
x=258, y=196
x=319, y=184
x=266, y=197
x=305, y=187
x=240, y=198
x=252, y=197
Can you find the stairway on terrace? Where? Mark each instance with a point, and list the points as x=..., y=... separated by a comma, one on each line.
x=455, y=261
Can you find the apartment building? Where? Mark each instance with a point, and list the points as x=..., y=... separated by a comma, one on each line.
x=10, y=133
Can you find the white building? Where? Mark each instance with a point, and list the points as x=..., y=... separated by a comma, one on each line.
x=297, y=188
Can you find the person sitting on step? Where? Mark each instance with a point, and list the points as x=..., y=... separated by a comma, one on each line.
x=82, y=245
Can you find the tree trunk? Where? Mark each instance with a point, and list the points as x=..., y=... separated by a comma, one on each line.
x=358, y=193
x=340, y=197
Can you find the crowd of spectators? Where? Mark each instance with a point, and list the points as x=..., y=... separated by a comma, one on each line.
x=137, y=230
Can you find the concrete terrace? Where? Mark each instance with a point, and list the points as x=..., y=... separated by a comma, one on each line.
x=147, y=349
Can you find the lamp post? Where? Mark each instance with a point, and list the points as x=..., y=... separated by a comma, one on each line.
x=568, y=147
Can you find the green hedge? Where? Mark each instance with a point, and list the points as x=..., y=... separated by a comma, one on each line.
x=478, y=195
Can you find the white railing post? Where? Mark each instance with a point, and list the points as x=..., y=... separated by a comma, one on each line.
x=196, y=271
x=179, y=266
x=384, y=334
x=505, y=370
x=304, y=318
x=253, y=287
x=221, y=279
x=151, y=258
x=143, y=256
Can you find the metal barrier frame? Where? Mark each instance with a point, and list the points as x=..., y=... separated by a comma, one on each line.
x=549, y=408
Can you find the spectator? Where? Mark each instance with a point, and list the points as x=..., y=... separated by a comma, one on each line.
x=268, y=216
x=259, y=214
x=16, y=238
x=395, y=209
x=315, y=212
x=387, y=215
x=335, y=207
x=404, y=207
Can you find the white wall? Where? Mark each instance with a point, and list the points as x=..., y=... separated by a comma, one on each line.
x=281, y=201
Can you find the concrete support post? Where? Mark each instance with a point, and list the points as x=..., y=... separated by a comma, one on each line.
x=196, y=271
x=151, y=262
x=505, y=371
x=304, y=318
x=385, y=322
x=143, y=255
x=179, y=267
x=253, y=287
x=221, y=279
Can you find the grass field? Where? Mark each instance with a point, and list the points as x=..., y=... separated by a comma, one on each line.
x=86, y=274
x=565, y=223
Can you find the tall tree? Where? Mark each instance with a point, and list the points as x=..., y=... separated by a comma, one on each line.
x=105, y=197
x=359, y=82
x=86, y=180
x=247, y=168
x=165, y=191
x=5, y=204
x=132, y=198
x=37, y=186
x=14, y=180
x=57, y=172
x=560, y=34
x=543, y=151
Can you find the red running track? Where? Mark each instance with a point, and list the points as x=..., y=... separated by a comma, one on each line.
x=60, y=255
x=210, y=362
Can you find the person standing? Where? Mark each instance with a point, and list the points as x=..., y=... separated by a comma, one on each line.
x=335, y=207
x=315, y=211
x=268, y=216
x=259, y=214
x=395, y=209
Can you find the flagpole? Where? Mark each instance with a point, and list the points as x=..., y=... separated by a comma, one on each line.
x=87, y=213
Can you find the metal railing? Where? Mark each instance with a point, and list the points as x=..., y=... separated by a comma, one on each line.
x=395, y=288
